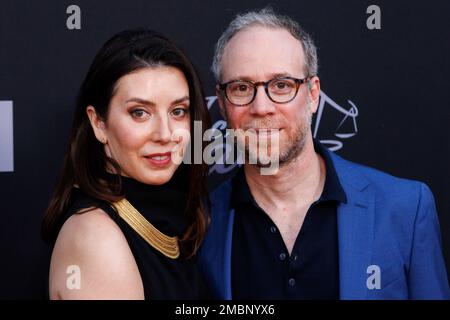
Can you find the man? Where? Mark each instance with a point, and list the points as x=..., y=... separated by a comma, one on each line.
x=321, y=227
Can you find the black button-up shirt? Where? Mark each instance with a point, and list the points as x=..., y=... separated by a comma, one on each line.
x=261, y=265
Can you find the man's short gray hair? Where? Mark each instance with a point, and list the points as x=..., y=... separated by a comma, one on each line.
x=268, y=18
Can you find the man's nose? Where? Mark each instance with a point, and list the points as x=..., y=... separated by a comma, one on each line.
x=261, y=105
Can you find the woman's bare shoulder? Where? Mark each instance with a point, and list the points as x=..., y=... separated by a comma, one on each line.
x=92, y=260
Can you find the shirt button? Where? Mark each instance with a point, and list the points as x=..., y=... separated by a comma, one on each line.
x=292, y=282
x=295, y=257
x=273, y=229
x=282, y=256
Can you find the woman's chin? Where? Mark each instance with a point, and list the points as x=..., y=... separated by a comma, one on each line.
x=156, y=177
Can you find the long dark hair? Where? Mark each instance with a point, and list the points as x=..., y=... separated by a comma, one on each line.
x=85, y=161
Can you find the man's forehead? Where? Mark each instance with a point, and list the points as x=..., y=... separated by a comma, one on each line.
x=261, y=52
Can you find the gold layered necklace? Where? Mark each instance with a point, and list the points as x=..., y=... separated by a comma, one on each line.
x=168, y=246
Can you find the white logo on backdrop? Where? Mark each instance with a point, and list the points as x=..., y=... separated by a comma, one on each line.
x=6, y=137
x=345, y=129
x=343, y=126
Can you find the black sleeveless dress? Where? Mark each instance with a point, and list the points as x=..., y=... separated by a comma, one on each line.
x=163, y=206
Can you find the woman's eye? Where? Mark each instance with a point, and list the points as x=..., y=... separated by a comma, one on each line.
x=139, y=113
x=179, y=112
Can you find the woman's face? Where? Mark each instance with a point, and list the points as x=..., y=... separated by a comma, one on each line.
x=148, y=124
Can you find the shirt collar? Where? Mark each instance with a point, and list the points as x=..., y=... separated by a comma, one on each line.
x=332, y=189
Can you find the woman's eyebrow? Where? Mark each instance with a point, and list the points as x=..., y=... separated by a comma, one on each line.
x=181, y=100
x=150, y=103
x=141, y=101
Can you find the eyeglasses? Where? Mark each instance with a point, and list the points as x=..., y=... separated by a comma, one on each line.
x=279, y=90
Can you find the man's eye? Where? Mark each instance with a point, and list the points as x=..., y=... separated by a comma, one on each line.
x=243, y=88
x=282, y=86
x=239, y=88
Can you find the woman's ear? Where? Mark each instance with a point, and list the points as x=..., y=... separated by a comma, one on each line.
x=98, y=125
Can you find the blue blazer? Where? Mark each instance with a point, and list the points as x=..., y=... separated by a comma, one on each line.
x=387, y=222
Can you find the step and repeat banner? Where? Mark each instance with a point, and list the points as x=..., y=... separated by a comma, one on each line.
x=385, y=102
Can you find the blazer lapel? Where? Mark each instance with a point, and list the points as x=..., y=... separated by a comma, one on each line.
x=355, y=234
x=355, y=231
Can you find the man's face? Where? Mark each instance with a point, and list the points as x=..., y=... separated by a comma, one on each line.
x=260, y=54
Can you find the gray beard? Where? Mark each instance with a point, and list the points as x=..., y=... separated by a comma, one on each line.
x=295, y=148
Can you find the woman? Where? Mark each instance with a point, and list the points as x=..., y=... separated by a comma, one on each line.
x=126, y=219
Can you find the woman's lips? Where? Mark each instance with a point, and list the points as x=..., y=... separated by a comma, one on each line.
x=159, y=159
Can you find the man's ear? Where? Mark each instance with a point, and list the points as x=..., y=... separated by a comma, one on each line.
x=98, y=125
x=221, y=101
x=314, y=93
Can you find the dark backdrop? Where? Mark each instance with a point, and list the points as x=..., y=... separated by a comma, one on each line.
x=388, y=87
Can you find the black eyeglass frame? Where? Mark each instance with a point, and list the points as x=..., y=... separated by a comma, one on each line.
x=265, y=84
